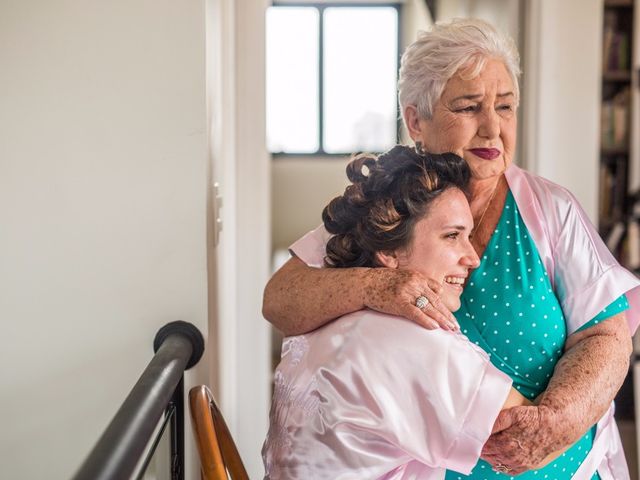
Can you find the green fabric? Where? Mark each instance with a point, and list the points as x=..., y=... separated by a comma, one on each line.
x=619, y=305
x=510, y=310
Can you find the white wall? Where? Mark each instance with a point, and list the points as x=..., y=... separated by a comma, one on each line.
x=563, y=42
x=235, y=57
x=415, y=16
x=503, y=14
x=301, y=189
x=102, y=213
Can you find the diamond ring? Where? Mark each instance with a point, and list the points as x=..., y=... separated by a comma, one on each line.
x=422, y=302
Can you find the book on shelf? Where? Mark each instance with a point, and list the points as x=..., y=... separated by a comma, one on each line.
x=620, y=187
x=613, y=192
x=614, y=121
x=606, y=185
x=615, y=236
x=615, y=45
x=633, y=245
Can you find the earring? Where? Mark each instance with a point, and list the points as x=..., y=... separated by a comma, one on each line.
x=419, y=148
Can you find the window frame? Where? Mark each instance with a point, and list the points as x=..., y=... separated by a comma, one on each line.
x=321, y=7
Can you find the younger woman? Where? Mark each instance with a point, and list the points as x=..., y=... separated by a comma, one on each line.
x=366, y=398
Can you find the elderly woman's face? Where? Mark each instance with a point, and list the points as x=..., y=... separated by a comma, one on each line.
x=475, y=119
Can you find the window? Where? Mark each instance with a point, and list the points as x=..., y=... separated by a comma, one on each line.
x=331, y=78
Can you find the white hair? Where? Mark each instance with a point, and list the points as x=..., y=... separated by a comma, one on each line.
x=438, y=54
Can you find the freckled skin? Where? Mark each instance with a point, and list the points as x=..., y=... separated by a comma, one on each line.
x=299, y=299
x=584, y=382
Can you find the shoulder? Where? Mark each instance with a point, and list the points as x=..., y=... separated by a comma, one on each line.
x=376, y=342
x=311, y=248
x=542, y=188
x=544, y=200
x=371, y=327
x=377, y=337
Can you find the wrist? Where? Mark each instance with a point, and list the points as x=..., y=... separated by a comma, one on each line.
x=366, y=280
x=561, y=429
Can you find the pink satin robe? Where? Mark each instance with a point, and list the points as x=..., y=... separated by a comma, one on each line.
x=585, y=276
x=372, y=396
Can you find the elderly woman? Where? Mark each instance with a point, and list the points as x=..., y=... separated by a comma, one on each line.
x=340, y=410
x=548, y=301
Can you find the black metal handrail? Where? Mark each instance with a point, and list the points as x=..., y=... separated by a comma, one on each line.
x=178, y=346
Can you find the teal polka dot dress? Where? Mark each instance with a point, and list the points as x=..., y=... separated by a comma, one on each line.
x=510, y=310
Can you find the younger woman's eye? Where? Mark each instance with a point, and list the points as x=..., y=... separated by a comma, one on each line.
x=452, y=235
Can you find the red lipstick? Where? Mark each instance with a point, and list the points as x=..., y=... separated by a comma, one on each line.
x=486, y=153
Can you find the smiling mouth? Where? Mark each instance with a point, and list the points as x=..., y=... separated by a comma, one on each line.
x=486, y=153
x=455, y=281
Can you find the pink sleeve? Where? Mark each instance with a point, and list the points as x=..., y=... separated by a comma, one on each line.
x=311, y=248
x=588, y=277
x=585, y=275
x=432, y=394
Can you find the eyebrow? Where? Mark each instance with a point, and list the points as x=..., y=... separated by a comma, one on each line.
x=475, y=96
x=461, y=228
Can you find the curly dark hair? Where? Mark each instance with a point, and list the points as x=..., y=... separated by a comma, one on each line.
x=378, y=211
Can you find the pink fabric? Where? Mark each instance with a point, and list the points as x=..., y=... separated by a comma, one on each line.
x=373, y=396
x=311, y=248
x=606, y=456
x=585, y=275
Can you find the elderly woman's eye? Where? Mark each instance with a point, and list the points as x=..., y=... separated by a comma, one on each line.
x=468, y=109
x=506, y=107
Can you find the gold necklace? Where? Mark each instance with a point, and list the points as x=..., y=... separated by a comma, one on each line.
x=493, y=194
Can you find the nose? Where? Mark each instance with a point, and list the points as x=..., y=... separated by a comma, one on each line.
x=470, y=258
x=489, y=126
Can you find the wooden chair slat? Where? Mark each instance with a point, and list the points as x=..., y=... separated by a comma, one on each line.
x=218, y=451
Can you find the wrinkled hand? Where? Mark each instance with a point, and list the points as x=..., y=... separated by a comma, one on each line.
x=395, y=292
x=522, y=437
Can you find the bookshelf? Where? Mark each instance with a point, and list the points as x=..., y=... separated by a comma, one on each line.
x=619, y=195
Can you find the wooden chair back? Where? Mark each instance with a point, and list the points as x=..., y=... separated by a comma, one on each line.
x=218, y=452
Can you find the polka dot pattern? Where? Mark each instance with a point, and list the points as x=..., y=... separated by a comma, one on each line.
x=521, y=326
x=563, y=468
x=620, y=304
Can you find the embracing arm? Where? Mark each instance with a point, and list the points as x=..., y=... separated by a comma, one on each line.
x=585, y=381
x=589, y=375
x=299, y=298
x=516, y=399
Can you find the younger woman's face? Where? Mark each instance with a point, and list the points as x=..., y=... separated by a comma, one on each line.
x=440, y=248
